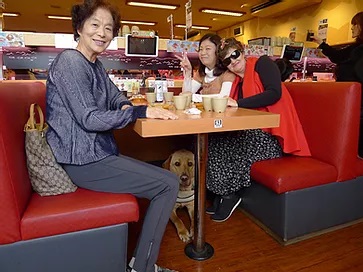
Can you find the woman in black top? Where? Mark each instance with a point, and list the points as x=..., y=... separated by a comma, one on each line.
x=231, y=154
x=349, y=61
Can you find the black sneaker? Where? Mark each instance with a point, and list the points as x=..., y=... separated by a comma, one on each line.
x=226, y=207
x=212, y=209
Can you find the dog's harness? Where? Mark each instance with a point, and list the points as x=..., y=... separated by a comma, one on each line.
x=185, y=198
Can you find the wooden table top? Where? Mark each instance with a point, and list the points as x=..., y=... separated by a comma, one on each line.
x=207, y=122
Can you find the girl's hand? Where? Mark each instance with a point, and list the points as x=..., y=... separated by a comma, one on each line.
x=185, y=63
x=159, y=113
x=232, y=103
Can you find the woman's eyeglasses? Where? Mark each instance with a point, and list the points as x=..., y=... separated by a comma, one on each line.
x=235, y=54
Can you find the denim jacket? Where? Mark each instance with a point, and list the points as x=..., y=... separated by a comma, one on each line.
x=83, y=106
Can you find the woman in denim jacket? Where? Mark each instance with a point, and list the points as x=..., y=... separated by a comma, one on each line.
x=83, y=107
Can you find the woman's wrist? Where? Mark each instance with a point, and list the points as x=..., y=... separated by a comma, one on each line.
x=187, y=73
x=140, y=111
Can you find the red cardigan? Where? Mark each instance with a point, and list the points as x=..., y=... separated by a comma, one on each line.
x=290, y=133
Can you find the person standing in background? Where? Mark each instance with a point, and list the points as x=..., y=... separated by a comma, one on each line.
x=83, y=107
x=212, y=77
x=349, y=62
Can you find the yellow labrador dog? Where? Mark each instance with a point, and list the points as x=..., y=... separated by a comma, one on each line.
x=181, y=163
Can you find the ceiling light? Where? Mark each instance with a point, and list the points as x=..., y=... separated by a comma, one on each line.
x=59, y=17
x=194, y=27
x=138, y=23
x=11, y=14
x=152, y=5
x=222, y=12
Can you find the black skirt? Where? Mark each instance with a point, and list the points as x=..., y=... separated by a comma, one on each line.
x=231, y=155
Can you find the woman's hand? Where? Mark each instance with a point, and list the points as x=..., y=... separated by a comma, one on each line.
x=232, y=103
x=159, y=113
x=185, y=63
x=124, y=107
x=317, y=39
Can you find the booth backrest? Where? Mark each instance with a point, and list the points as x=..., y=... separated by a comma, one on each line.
x=15, y=189
x=329, y=113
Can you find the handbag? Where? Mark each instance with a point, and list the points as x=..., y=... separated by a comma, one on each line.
x=46, y=175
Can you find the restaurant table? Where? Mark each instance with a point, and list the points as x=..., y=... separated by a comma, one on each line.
x=200, y=125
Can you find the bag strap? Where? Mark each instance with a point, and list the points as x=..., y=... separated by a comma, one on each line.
x=31, y=124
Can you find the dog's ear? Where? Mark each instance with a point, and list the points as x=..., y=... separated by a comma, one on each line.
x=166, y=164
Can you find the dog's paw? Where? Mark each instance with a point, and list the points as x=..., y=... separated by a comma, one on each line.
x=184, y=236
x=191, y=233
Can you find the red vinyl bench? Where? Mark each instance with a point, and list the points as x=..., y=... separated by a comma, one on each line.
x=293, y=197
x=80, y=231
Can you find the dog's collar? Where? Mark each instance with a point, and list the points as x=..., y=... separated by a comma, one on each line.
x=185, y=198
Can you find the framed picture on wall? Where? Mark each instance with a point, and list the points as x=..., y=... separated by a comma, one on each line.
x=238, y=30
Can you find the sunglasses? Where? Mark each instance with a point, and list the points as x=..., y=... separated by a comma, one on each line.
x=235, y=54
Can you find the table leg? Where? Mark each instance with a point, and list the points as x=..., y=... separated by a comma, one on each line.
x=199, y=249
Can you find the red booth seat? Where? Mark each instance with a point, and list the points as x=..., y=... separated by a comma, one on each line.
x=298, y=197
x=31, y=225
x=329, y=113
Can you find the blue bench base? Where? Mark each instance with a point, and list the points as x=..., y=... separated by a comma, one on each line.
x=300, y=214
x=93, y=250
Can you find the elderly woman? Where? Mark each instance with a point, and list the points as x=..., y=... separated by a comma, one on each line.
x=83, y=107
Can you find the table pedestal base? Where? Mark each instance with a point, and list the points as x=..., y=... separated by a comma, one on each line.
x=198, y=249
x=202, y=255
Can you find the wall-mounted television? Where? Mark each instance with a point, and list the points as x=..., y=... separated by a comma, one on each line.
x=292, y=52
x=141, y=46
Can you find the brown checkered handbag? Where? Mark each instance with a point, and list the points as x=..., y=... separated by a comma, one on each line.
x=46, y=175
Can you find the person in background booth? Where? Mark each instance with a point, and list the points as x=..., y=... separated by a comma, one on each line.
x=231, y=155
x=349, y=62
x=212, y=77
x=286, y=69
x=83, y=107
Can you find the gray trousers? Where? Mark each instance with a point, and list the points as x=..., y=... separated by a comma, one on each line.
x=121, y=174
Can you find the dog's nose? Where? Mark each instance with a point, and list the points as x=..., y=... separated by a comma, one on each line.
x=184, y=178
